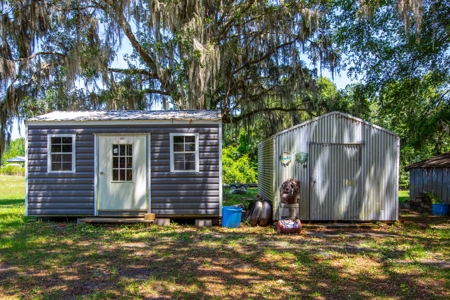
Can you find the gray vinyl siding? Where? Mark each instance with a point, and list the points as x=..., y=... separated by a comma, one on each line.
x=184, y=194
x=435, y=181
x=53, y=194
x=172, y=194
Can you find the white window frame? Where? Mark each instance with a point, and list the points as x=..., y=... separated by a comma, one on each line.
x=197, y=151
x=49, y=153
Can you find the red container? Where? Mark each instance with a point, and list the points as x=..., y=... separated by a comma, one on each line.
x=289, y=226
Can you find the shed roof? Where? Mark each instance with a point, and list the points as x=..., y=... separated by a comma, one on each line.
x=438, y=161
x=337, y=114
x=16, y=159
x=81, y=116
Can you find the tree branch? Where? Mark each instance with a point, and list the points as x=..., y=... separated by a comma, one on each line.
x=41, y=53
x=152, y=91
x=133, y=72
x=120, y=20
x=262, y=57
x=227, y=26
x=227, y=119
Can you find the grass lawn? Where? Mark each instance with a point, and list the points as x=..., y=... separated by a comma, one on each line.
x=61, y=260
x=403, y=196
x=232, y=199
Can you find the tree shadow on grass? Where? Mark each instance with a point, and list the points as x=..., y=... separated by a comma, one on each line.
x=4, y=203
x=63, y=260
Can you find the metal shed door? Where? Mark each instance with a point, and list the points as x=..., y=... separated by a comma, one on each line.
x=122, y=173
x=335, y=181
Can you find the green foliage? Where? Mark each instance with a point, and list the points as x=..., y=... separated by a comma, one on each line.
x=420, y=117
x=403, y=195
x=401, y=54
x=240, y=154
x=245, y=58
x=237, y=167
x=329, y=98
x=15, y=148
x=12, y=170
x=433, y=197
x=233, y=199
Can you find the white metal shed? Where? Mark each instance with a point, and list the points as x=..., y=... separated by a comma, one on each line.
x=348, y=169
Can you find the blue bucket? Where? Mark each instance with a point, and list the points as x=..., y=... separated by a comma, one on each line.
x=440, y=209
x=231, y=216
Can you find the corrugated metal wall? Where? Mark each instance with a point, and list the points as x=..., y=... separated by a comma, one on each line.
x=380, y=167
x=436, y=181
x=172, y=194
x=335, y=185
x=265, y=169
x=351, y=174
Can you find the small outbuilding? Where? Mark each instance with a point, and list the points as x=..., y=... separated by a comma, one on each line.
x=348, y=169
x=124, y=164
x=16, y=159
x=432, y=176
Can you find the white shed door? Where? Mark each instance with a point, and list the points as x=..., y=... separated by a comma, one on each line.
x=122, y=173
x=335, y=181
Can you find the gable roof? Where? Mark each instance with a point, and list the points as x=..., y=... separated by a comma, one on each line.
x=438, y=161
x=123, y=115
x=339, y=115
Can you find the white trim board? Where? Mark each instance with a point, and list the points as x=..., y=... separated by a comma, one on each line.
x=26, y=170
x=197, y=152
x=120, y=122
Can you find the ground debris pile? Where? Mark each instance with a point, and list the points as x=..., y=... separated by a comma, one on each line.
x=421, y=204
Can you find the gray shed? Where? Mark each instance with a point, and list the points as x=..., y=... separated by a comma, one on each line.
x=431, y=175
x=348, y=169
x=124, y=163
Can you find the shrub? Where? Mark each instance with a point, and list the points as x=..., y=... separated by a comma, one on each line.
x=12, y=170
x=433, y=197
x=237, y=167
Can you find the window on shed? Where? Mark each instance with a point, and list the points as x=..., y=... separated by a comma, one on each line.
x=61, y=153
x=184, y=152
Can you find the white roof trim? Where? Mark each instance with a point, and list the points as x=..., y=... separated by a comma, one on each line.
x=125, y=116
x=120, y=122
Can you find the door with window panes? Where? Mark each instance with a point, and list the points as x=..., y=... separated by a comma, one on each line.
x=122, y=173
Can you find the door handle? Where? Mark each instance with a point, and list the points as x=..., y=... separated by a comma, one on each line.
x=101, y=173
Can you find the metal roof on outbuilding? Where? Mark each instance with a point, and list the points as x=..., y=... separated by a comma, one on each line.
x=339, y=115
x=123, y=115
x=17, y=159
x=438, y=161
